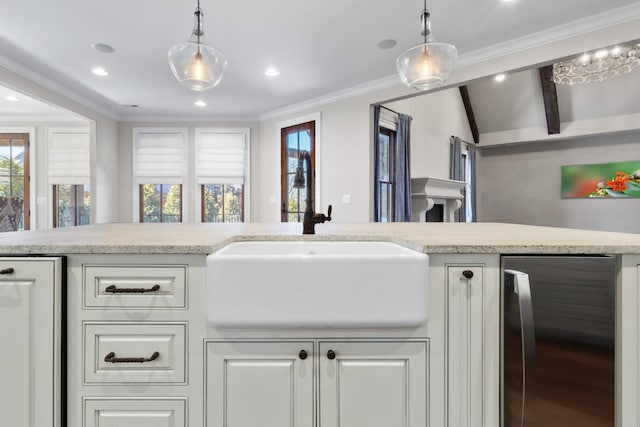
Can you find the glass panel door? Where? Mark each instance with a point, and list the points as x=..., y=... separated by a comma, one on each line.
x=14, y=178
x=295, y=139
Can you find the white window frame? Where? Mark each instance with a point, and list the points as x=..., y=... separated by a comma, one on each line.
x=247, y=168
x=185, y=178
x=313, y=117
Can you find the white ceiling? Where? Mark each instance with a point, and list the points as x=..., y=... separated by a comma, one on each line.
x=320, y=47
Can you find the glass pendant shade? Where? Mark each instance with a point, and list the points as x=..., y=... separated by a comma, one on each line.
x=428, y=64
x=194, y=64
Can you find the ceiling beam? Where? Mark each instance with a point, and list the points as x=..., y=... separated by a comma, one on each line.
x=470, y=117
x=550, y=97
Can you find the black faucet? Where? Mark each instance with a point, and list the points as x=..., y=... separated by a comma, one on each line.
x=310, y=218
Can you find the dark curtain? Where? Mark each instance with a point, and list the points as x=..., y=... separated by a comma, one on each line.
x=376, y=162
x=403, y=169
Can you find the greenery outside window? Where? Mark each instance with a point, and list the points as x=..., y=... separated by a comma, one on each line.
x=222, y=203
x=160, y=203
x=71, y=205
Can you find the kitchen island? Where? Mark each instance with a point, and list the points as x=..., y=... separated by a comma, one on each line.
x=189, y=373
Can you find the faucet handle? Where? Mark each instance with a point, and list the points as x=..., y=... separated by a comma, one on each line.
x=329, y=213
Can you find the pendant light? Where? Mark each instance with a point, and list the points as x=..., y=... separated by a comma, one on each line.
x=196, y=65
x=428, y=64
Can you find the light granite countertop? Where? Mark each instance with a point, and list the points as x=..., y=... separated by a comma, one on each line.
x=191, y=238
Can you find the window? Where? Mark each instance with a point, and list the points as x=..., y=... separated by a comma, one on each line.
x=160, y=203
x=68, y=163
x=222, y=160
x=71, y=205
x=14, y=172
x=293, y=140
x=159, y=174
x=384, y=181
x=222, y=203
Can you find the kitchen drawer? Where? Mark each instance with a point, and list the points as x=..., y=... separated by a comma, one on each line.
x=143, y=286
x=134, y=412
x=134, y=353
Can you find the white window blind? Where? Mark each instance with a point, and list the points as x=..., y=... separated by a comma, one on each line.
x=159, y=157
x=68, y=157
x=221, y=157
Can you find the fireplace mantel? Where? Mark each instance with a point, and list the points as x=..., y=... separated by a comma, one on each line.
x=437, y=191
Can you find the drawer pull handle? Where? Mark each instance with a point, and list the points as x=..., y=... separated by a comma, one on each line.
x=111, y=358
x=112, y=289
x=9, y=270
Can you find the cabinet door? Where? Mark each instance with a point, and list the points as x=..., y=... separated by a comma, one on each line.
x=464, y=345
x=472, y=335
x=373, y=384
x=266, y=384
x=30, y=336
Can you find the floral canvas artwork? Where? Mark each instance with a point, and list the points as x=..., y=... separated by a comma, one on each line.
x=604, y=180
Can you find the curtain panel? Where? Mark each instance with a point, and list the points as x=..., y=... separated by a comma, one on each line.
x=403, y=169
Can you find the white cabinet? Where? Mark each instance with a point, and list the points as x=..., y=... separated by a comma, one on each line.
x=472, y=338
x=275, y=383
x=135, y=340
x=30, y=331
x=269, y=384
x=373, y=384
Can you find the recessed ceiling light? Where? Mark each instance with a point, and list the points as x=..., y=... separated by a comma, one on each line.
x=11, y=98
x=500, y=77
x=99, y=71
x=271, y=72
x=201, y=103
x=104, y=48
x=386, y=44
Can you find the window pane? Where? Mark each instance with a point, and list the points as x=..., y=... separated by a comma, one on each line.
x=384, y=203
x=305, y=140
x=4, y=185
x=292, y=140
x=383, y=159
x=171, y=203
x=150, y=202
x=84, y=216
x=18, y=187
x=65, y=205
x=223, y=203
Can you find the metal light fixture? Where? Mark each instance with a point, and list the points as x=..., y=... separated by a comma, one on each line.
x=598, y=65
x=196, y=65
x=428, y=64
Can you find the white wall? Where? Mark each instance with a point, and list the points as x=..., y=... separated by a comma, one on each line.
x=521, y=184
x=125, y=157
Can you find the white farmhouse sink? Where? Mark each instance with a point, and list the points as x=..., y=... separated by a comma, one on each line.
x=316, y=284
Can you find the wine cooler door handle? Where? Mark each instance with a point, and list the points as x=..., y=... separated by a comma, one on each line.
x=522, y=288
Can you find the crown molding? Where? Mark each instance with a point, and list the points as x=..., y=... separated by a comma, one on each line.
x=572, y=29
x=132, y=118
x=340, y=95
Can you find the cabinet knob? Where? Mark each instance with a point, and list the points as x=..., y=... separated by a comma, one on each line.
x=302, y=355
x=331, y=354
x=9, y=270
x=468, y=274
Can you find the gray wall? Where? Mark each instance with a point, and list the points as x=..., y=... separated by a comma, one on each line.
x=521, y=184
